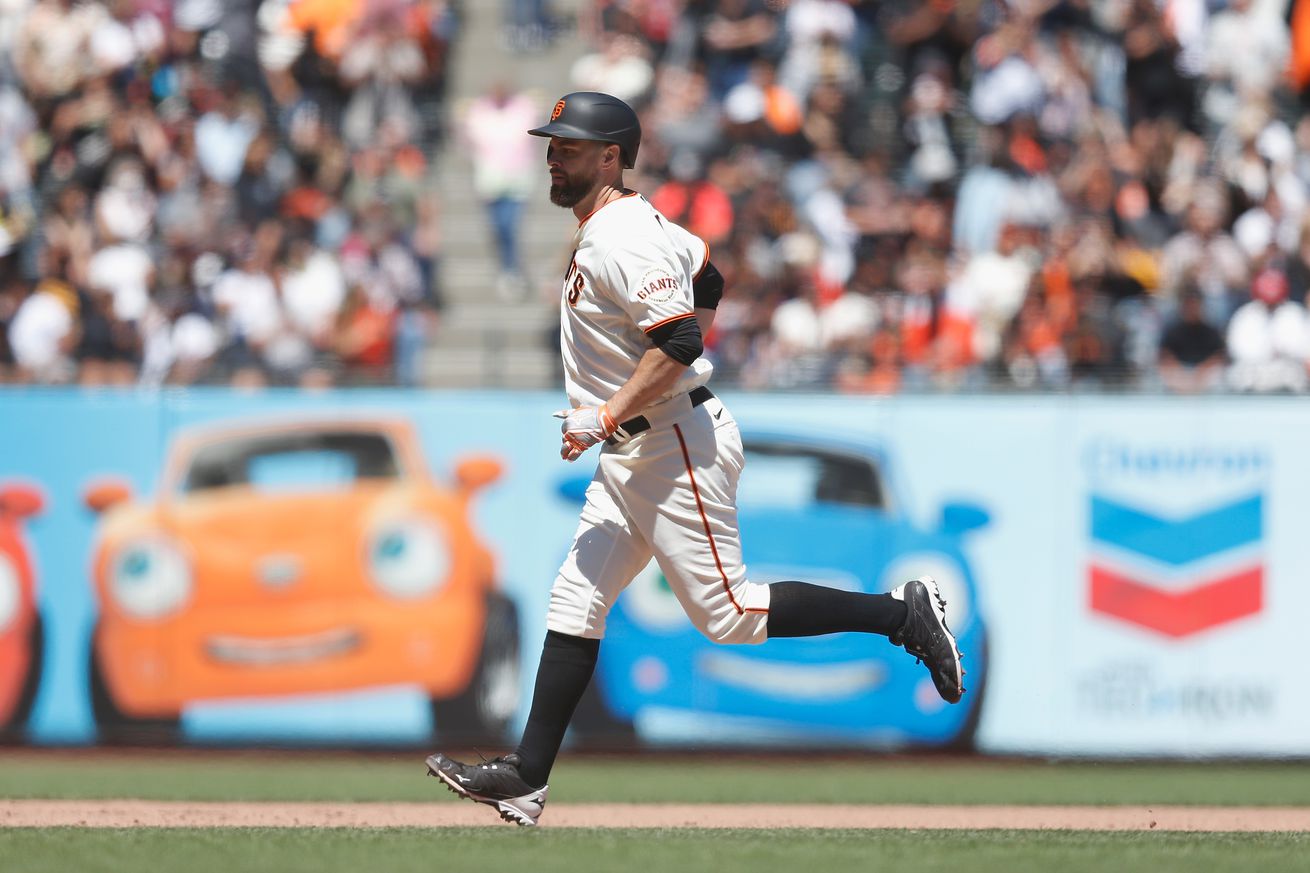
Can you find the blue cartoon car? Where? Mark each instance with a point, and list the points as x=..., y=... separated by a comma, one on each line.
x=820, y=511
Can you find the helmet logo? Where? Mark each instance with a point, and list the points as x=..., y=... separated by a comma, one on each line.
x=557, y=111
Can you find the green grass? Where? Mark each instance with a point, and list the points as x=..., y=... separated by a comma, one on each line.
x=62, y=850
x=377, y=777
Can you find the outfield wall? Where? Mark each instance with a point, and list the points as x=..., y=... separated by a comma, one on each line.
x=1130, y=574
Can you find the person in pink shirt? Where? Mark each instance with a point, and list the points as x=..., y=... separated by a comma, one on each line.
x=503, y=165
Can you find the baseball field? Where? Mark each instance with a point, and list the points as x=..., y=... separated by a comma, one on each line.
x=85, y=811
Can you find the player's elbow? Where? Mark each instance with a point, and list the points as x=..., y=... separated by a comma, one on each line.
x=707, y=288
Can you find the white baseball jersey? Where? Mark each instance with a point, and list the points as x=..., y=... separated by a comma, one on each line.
x=631, y=271
x=669, y=491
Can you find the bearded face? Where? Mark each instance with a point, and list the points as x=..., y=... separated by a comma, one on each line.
x=575, y=169
x=568, y=189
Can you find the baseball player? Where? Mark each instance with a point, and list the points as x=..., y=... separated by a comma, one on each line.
x=638, y=295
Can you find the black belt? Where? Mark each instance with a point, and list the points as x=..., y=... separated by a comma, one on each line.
x=638, y=423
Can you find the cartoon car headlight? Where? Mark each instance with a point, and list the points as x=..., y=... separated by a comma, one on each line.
x=10, y=594
x=150, y=578
x=408, y=558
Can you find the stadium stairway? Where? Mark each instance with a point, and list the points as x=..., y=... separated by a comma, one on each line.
x=485, y=339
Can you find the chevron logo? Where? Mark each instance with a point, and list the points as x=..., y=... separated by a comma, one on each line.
x=1177, y=576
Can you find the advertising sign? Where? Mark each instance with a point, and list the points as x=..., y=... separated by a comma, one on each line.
x=1125, y=575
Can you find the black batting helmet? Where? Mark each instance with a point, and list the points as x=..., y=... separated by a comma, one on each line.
x=595, y=116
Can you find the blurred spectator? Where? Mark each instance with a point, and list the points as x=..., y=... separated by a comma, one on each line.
x=693, y=201
x=733, y=35
x=762, y=111
x=505, y=166
x=246, y=303
x=1191, y=350
x=313, y=291
x=124, y=271
x=330, y=22
x=364, y=335
x=51, y=51
x=223, y=134
x=878, y=371
x=108, y=349
x=1007, y=82
x=18, y=128
x=990, y=291
x=1034, y=353
x=1158, y=74
x=379, y=65
x=44, y=332
x=1269, y=339
x=1246, y=55
x=530, y=25
x=1298, y=267
x=818, y=35
x=620, y=68
x=1204, y=253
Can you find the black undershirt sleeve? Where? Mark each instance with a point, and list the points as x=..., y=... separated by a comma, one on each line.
x=707, y=288
x=679, y=339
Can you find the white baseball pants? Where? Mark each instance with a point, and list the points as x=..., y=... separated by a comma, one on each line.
x=669, y=492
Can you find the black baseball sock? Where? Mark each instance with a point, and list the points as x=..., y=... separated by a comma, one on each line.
x=566, y=666
x=799, y=609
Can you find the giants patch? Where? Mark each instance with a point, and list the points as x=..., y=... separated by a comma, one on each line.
x=657, y=286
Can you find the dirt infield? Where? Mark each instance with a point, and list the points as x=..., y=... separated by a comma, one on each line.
x=138, y=813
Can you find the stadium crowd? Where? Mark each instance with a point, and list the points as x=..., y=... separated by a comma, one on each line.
x=911, y=194
x=233, y=191
x=902, y=194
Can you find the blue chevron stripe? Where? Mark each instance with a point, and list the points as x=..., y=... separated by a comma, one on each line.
x=1177, y=541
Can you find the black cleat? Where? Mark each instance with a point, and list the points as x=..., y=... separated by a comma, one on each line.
x=926, y=636
x=496, y=783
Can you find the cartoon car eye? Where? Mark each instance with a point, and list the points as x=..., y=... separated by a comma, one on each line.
x=948, y=576
x=652, y=603
x=408, y=558
x=10, y=593
x=150, y=578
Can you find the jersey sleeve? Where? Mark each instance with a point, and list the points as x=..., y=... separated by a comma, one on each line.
x=650, y=282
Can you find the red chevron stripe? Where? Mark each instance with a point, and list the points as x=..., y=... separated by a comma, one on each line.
x=1177, y=613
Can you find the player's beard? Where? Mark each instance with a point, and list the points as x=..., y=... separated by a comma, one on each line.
x=572, y=191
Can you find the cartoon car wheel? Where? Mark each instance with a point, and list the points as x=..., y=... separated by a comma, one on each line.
x=595, y=726
x=22, y=710
x=484, y=708
x=22, y=633
x=116, y=727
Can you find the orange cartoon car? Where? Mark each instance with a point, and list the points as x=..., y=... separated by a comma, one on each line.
x=296, y=558
x=21, y=631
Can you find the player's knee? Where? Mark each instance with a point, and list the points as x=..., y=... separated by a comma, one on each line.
x=734, y=629
x=576, y=614
x=719, y=635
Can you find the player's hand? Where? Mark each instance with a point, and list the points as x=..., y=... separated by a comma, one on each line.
x=583, y=427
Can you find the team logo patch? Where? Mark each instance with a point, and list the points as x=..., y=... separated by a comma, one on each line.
x=557, y=111
x=657, y=286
